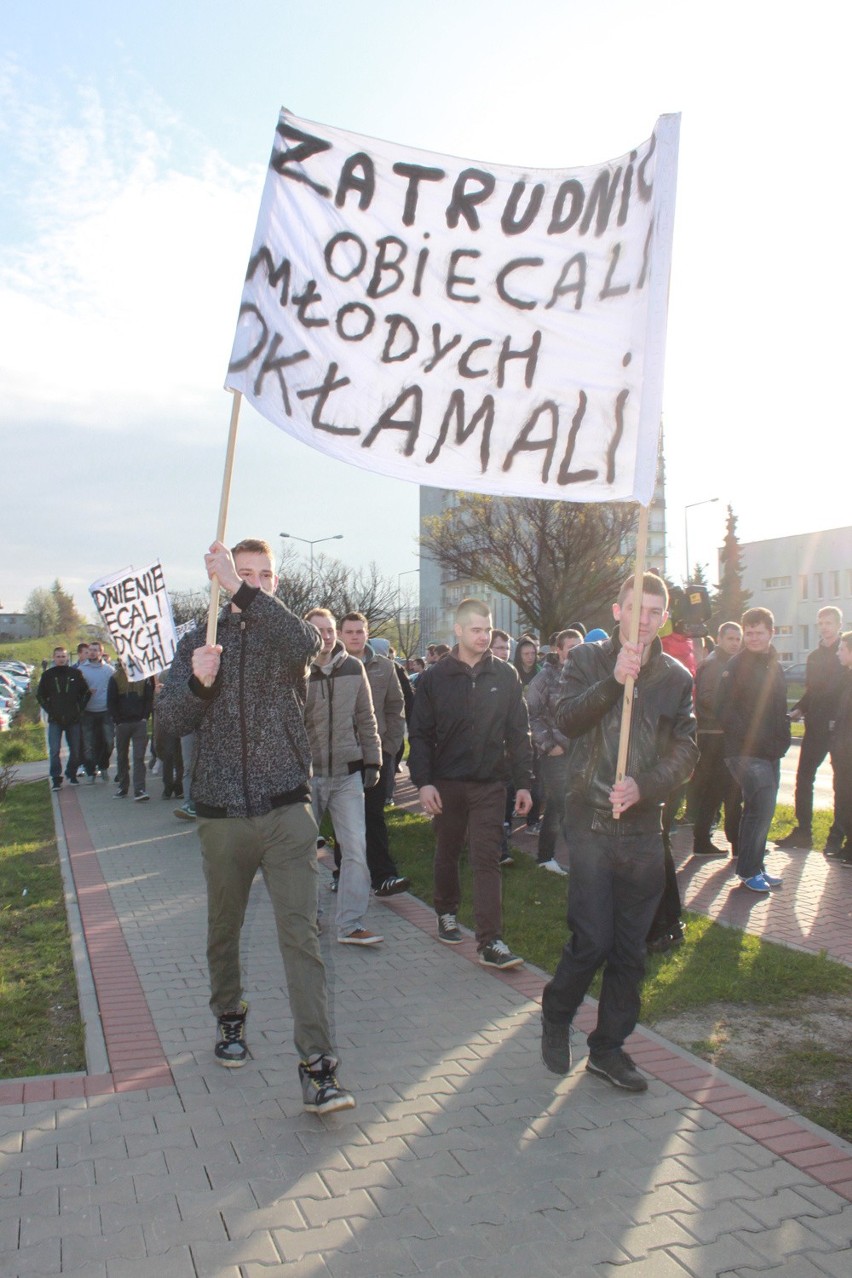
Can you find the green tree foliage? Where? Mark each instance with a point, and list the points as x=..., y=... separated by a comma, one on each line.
x=558, y=561
x=42, y=612
x=731, y=600
x=68, y=616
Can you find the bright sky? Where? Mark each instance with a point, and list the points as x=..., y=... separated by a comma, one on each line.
x=133, y=144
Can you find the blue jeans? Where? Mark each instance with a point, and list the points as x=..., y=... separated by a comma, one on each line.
x=343, y=799
x=616, y=881
x=759, y=780
x=98, y=740
x=74, y=739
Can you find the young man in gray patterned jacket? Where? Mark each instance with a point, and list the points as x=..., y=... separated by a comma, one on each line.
x=243, y=698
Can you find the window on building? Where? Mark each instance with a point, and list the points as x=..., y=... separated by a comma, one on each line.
x=777, y=583
x=803, y=587
x=834, y=582
x=804, y=637
x=783, y=630
x=819, y=588
x=785, y=656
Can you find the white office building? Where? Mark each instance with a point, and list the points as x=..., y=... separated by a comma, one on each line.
x=796, y=576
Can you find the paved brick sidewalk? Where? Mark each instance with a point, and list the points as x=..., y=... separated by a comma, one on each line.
x=463, y=1158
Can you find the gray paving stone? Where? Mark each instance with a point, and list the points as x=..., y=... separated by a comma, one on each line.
x=176, y=1263
x=723, y=1254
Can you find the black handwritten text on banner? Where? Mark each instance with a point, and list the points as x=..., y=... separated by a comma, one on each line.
x=136, y=610
x=458, y=324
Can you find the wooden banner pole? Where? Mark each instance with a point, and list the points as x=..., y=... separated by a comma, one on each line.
x=213, y=613
x=627, y=705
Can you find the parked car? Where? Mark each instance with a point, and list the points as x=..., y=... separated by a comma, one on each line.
x=794, y=673
x=20, y=681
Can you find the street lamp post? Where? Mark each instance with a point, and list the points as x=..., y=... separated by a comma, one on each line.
x=399, y=578
x=708, y=501
x=316, y=541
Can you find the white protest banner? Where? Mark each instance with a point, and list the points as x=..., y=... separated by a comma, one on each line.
x=458, y=324
x=136, y=610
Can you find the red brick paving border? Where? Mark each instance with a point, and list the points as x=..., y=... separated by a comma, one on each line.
x=135, y=1053
x=784, y=1135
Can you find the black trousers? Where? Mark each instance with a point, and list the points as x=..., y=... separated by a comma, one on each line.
x=614, y=887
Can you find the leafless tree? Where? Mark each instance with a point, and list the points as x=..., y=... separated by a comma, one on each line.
x=336, y=587
x=558, y=561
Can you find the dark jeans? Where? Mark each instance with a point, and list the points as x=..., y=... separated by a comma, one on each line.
x=758, y=780
x=379, y=860
x=98, y=738
x=554, y=778
x=133, y=734
x=615, y=886
x=712, y=786
x=73, y=738
x=812, y=752
x=667, y=916
x=473, y=814
x=171, y=760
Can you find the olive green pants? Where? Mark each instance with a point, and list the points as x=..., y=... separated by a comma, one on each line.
x=282, y=845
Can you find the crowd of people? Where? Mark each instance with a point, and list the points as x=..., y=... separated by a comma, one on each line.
x=287, y=719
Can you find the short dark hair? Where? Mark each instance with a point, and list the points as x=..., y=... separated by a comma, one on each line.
x=81, y=646
x=651, y=585
x=471, y=608
x=252, y=546
x=441, y=650
x=759, y=617
x=354, y=616
x=566, y=634
x=59, y=648
x=729, y=625
x=499, y=634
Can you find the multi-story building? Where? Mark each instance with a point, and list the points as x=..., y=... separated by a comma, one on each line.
x=796, y=576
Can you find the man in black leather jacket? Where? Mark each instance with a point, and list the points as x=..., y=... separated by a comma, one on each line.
x=614, y=828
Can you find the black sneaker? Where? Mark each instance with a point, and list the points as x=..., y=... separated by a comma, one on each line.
x=448, y=929
x=555, y=1046
x=120, y=794
x=706, y=847
x=393, y=885
x=506, y=858
x=231, y=1049
x=834, y=845
x=497, y=954
x=141, y=796
x=617, y=1068
x=321, y=1092
x=73, y=781
x=797, y=838
x=56, y=784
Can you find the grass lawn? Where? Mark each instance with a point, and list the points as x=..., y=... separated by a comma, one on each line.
x=716, y=965
x=40, y=1029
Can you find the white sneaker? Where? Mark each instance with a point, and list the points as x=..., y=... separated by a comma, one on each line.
x=554, y=867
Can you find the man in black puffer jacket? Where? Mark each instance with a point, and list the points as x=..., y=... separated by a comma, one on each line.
x=243, y=697
x=469, y=735
x=614, y=828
